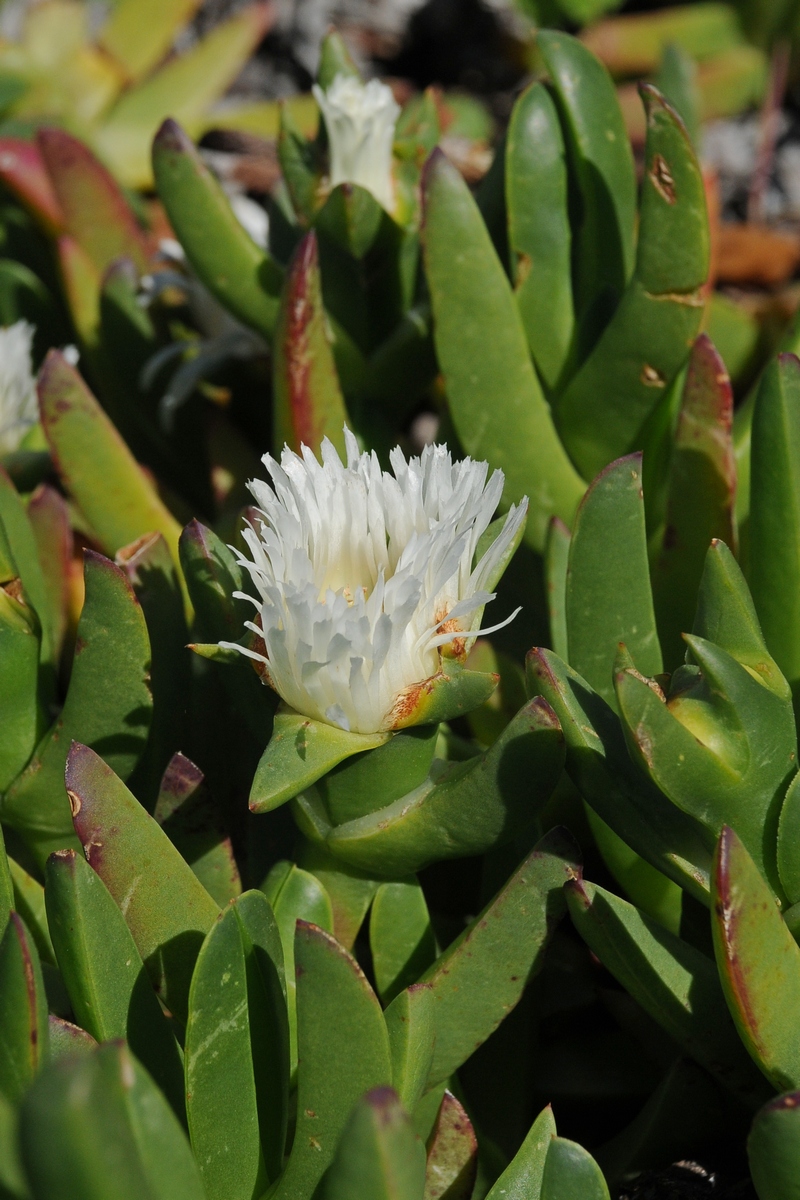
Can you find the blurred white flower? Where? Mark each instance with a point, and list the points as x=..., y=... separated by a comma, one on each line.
x=363, y=575
x=360, y=120
x=19, y=408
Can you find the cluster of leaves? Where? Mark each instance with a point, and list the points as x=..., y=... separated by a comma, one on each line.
x=296, y=999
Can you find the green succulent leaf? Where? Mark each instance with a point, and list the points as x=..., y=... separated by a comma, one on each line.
x=466, y=809
x=774, y=529
x=49, y=520
x=539, y=232
x=19, y=698
x=599, y=764
x=228, y=1004
x=379, y=1157
x=675, y=983
x=522, y=1178
x=570, y=1173
x=20, y=543
x=645, y=343
x=608, y=597
x=138, y=35
x=411, y=1023
x=295, y=894
x=350, y=890
x=773, y=1148
x=343, y=1050
x=601, y=162
x=701, y=490
x=483, y=353
x=401, y=937
x=758, y=960
x=110, y=993
x=166, y=908
x=556, y=563
x=108, y=706
x=244, y=278
x=299, y=753
x=452, y=1153
x=722, y=745
x=23, y=1011
x=96, y=466
x=96, y=1126
x=482, y=974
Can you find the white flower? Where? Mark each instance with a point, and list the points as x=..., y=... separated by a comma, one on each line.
x=360, y=121
x=362, y=575
x=19, y=408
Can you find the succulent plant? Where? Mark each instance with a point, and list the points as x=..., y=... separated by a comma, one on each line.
x=338, y=904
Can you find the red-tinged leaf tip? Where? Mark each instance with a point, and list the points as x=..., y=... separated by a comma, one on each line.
x=542, y=714
x=181, y=776
x=789, y=360
x=385, y=1103
x=434, y=164
x=576, y=888
x=59, y=857
x=784, y=1103
x=172, y=137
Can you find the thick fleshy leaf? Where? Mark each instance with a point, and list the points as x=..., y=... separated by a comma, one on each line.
x=539, y=232
x=24, y=174
x=482, y=974
x=774, y=528
x=482, y=350
x=94, y=209
x=186, y=812
x=522, y=1178
x=700, y=496
x=556, y=560
x=411, y=1022
x=234, y=269
x=166, y=908
x=110, y=993
x=108, y=706
x=600, y=766
x=759, y=963
x=222, y=1079
x=773, y=1148
x=7, y=897
x=21, y=541
x=608, y=597
x=350, y=891
x=570, y=1173
x=401, y=937
x=182, y=89
x=96, y=1126
x=466, y=809
x=156, y=582
x=138, y=35
x=49, y=519
x=675, y=983
x=19, y=668
x=602, y=163
x=452, y=1154
x=722, y=745
x=67, y=1039
x=307, y=400
x=96, y=466
x=343, y=1051
x=646, y=341
x=23, y=1011
x=295, y=894
x=379, y=1157
x=299, y=752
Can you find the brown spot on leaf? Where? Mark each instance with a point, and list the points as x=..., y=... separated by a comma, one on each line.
x=661, y=178
x=650, y=377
